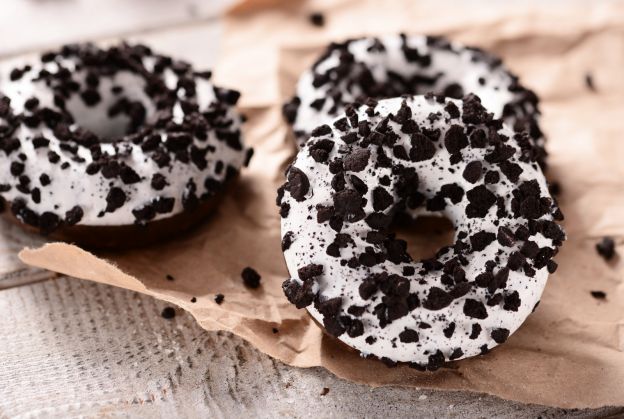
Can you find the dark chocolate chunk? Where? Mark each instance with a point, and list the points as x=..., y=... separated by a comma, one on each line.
x=48, y=222
x=251, y=278
x=317, y=19
x=74, y=215
x=481, y=240
x=456, y=354
x=472, y=172
x=321, y=131
x=168, y=313
x=492, y=177
x=551, y=266
x=500, y=335
x=475, y=309
x=129, y=176
x=287, y=240
x=599, y=295
x=348, y=204
x=39, y=142
x=455, y=139
x=422, y=148
x=310, y=271
x=476, y=331
x=298, y=184
x=516, y=261
x=115, y=199
x=381, y=199
x=408, y=336
x=606, y=248
x=91, y=97
x=511, y=170
x=505, y=236
x=158, y=182
x=530, y=249
x=512, y=301
x=452, y=109
x=228, y=96
x=480, y=200
x=17, y=168
x=357, y=160
x=473, y=111
x=44, y=179
x=437, y=299
x=449, y=330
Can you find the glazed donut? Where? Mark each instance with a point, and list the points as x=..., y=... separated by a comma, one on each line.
x=118, y=140
x=395, y=65
x=420, y=154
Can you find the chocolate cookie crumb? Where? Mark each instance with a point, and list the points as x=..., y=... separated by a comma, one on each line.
x=317, y=19
x=193, y=300
x=219, y=298
x=168, y=313
x=251, y=278
x=169, y=277
x=324, y=391
x=599, y=295
x=554, y=188
x=589, y=82
x=606, y=248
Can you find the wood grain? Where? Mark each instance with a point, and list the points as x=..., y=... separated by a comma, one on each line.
x=74, y=348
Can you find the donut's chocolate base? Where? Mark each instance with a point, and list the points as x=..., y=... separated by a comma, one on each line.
x=386, y=361
x=126, y=236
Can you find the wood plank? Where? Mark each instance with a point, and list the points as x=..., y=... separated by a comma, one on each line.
x=74, y=348
x=40, y=24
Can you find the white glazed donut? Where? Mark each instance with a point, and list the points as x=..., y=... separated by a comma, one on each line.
x=418, y=154
x=396, y=65
x=113, y=137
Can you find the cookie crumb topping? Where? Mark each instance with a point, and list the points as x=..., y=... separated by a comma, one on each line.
x=390, y=157
x=356, y=70
x=113, y=136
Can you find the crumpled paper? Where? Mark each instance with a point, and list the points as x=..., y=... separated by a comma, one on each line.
x=570, y=353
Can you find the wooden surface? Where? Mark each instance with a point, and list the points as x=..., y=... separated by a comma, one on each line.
x=70, y=348
x=75, y=348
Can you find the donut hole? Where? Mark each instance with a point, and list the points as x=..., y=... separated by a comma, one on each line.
x=116, y=107
x=425, y=235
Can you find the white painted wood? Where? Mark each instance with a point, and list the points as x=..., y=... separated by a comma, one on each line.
x=28, y=25
x=74, y=348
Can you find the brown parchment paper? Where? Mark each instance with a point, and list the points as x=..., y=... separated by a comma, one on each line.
x=570, y=353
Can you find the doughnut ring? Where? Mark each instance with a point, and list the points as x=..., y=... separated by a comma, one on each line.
x=395, y=65
x=115, y=146
x=418, y=154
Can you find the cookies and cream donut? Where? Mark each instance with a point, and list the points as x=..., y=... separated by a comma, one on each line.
x=115, y=145
x=420, y=154
x=394, y=65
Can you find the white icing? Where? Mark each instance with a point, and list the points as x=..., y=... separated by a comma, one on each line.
x=310, y=241
x=456, y=66
x=72, y=186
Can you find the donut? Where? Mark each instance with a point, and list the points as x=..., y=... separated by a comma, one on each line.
x=115, y=146
x=421, y=154
x=394, y=65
